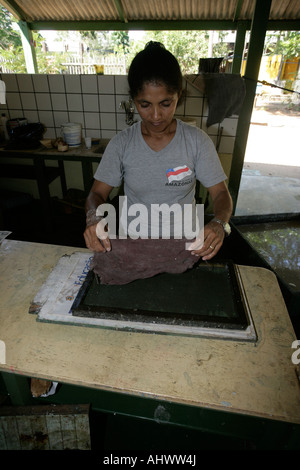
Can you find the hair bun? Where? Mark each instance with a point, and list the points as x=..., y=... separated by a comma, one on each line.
x=154, y=64
x=154, y=45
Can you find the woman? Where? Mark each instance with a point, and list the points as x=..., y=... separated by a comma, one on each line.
x=147, y=155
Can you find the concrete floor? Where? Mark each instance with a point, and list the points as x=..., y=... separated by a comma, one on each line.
x=270, y=180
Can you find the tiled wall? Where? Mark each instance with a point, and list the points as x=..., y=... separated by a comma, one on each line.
x=53, y=100
x=94, y=101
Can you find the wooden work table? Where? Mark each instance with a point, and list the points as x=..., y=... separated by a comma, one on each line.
x=41, y=154
x=151, y=374
x=43, y=174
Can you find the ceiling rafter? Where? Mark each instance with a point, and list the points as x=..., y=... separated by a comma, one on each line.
x=238, y=8
x=120, y=9
x=14, y=9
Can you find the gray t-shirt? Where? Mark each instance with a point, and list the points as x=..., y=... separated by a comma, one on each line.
x=165, y=177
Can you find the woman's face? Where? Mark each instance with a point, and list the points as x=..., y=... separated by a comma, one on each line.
x=156, y=106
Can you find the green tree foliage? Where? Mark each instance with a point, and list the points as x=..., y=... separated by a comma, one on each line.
x=48, y=62
x=9, y=38
x=187, y=46
x=11, y=49
x=121, y=41
x=99, y=43
x=285, y=43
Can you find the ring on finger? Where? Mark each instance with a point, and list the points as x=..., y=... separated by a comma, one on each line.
x=212, y=247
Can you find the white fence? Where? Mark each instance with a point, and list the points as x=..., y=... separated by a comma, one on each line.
x=4, y=66
x=113, y=65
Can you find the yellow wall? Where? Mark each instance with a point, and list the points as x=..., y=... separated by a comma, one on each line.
x=274, y=67
x=289, y=69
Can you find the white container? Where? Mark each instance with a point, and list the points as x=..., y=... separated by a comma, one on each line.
x=190, y=121
x=72, y=134
x=88, y=142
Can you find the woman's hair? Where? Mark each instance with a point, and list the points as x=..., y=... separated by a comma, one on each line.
x=154, y=64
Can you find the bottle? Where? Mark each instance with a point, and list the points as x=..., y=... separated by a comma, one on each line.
x=3, y=127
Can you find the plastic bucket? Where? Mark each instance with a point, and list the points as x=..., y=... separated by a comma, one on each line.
x=72, y=134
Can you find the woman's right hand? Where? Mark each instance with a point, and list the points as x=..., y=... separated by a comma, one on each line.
x=95, y=235
x=96, y=238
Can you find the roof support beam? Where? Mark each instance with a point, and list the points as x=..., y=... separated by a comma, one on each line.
x=255, y=51
x=200, y=25
x=28, y=47
x=238, y=10
x=239, y=48
x=13, y=8
x=134, y=25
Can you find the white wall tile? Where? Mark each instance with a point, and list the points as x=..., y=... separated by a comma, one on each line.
x=28, y=100
x=89, y=84
x=60, y=117
x=205, y=107
x=211, y=130
x=76, y=117
x=121, y=122
x=13, y=101
x=72, y=84
x=108, y=134
x=40, y=83
x=119, y=99
x=193, y=91
x=108, y=121
x=16, y=113
x=32, y=116
x=43, y=101
x=56, y=83
x=92, y=133
x=106, y=84
x=92, y=120
x=25, y=82
x=121, y=84
x=59, y=102
x=51, y=133
x=107, y=103
x=46, y=118
x=10, y=80
x=90, y=103
x=180, y=108
x=193, y=106
x=74, y=102
x=229, y=126
x=227, y=144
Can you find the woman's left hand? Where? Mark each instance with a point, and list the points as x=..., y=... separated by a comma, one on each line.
x=214, y=234
x=213, y=240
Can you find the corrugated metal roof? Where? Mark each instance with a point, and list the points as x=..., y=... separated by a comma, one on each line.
x=145, y=10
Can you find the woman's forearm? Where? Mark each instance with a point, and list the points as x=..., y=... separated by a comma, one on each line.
x=98, y=195
x=222, y=206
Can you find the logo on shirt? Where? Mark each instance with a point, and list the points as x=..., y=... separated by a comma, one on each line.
x=178, y=173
